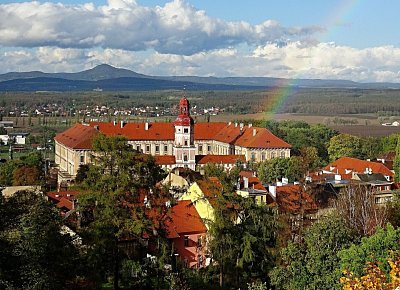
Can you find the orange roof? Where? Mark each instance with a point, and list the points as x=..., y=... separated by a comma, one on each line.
x=291, y=199
x=346, y=165
x=80, y=136
x=207, y=131
x=165, y=159
x=185, y=219
x=77, y=137
x=219, y=159
x=254, y=182
x=58, y=195
x=137, y=131
x=65, y=203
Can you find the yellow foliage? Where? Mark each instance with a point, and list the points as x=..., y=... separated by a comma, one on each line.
x=374, y=279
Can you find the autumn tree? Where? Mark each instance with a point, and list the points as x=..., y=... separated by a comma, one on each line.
x=356, y=204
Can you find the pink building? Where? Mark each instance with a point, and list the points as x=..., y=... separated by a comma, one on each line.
x=188, y=234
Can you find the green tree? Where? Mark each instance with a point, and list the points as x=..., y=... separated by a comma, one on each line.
x=344, y=145
x=122, y=201
x=377, y=248
x=313, y=263
x=243, y=238
x=35, y=253
x=275, y=169
x=396, y=162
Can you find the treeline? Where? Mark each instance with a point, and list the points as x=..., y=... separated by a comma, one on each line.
x=302, y=100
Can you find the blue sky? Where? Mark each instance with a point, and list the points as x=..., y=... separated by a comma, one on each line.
x=347, y=39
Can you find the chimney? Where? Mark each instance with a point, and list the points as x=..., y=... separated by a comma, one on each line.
x=272, y=190
x=115, y=122
x=250, y=125
x=122, y=124
x=241, y=128
x=254, y=132
x=236, y=125
x=245, y=182
x=146, y=126
x=229, y=123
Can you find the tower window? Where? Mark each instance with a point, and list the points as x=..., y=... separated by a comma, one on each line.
x=186, y=142
x=186, y=130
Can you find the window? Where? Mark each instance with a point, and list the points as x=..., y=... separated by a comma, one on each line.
x=185, y=158
x=272, y=155
x=282, y=154
x=186, y=142
x=82, y=159
x=209, y=148
x=165, y=149
x=263, y=156
x=186, y=130
x=186, y=241
x=138, y=148
x=147, y=148
x=200, y=148
x=253, y=156
x=157, y=148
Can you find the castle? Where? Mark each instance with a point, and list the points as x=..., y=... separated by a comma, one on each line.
x=182, y=143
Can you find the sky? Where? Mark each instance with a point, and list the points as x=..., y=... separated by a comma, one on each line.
x=355, y=40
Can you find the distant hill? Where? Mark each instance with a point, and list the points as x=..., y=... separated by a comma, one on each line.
x=109, y=78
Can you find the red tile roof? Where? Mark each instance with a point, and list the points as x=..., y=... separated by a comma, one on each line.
x=346, y=165
x=58, y=195
x=207, y=131
x=65, y=203
x=77, y=137
x=137, y=131
x=185, y=219
x=292, y=199
x=219, y=159
x=165, y=159
x=80, y=136
x=254, y=182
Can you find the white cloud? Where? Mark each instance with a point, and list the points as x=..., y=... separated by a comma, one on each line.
x=177, y=27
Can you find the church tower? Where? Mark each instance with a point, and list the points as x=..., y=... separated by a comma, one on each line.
x=184, y=149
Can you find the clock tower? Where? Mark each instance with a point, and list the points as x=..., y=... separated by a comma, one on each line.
x=184, y=149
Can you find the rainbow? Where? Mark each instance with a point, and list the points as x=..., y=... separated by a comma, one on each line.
x=277, y=97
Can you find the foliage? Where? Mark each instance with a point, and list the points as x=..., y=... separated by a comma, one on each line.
x=353, y=146
x=396, y=162
x=121, y=203
x=35, y=254
x=376, y=248
x=26, y=175
x=243, y=238
x=313, y=263
x=374, y=278
x=275, y=169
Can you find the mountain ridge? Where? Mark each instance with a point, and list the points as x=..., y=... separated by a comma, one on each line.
x=101, y=75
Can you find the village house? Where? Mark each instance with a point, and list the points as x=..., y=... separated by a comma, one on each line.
x=347, y=171
x=182, y=143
